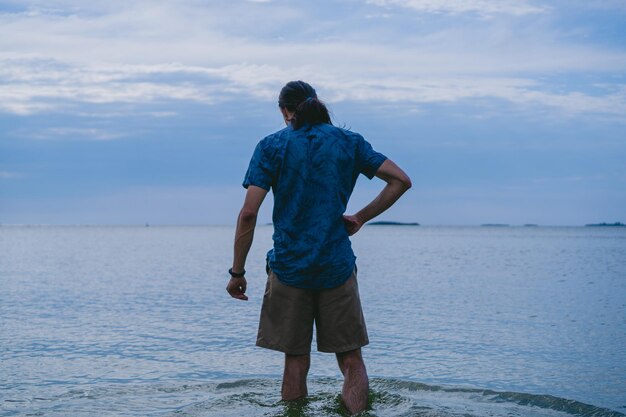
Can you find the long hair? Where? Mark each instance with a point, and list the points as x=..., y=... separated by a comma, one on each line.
x=301, y=99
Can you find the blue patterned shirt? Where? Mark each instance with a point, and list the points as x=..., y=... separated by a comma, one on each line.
x=312, y=172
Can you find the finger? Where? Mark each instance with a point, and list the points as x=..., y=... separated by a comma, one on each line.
x=240, y=296
x=233, y=290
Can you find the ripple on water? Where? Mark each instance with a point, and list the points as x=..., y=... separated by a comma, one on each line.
x=260, y=397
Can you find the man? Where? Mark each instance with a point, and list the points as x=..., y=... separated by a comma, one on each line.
x=312, y=167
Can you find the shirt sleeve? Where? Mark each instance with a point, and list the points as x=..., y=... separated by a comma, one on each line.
x=368, y=160
x=260, y=170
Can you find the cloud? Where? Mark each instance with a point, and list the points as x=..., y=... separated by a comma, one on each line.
x=52, y=89
x=5, y=175
x=33, y=86
x=481, y=7
x=73, y=133
x=142, y=53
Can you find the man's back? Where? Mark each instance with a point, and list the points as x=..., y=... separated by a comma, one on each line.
x=312, y=171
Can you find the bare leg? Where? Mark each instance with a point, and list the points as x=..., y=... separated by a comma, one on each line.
x=294, y=377
x=355, y=384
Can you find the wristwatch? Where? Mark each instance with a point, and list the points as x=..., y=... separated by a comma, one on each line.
x=236, y=274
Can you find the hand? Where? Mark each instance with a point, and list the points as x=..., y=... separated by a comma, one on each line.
x=237, y=287
x=352, y=224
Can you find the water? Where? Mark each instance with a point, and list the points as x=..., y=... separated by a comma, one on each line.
x=475, y=321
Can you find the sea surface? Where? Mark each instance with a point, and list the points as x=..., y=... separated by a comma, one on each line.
x=463, y=321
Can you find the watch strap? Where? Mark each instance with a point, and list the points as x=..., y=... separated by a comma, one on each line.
x=236, y=274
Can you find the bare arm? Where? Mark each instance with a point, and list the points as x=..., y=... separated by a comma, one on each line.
x=244, y=235
x=397, y=183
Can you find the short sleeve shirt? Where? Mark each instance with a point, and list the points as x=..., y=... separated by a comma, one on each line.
x=311, y=172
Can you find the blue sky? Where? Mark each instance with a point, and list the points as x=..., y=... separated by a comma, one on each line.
x=148, y=111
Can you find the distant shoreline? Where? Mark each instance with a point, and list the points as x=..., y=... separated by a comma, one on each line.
x=387, y=223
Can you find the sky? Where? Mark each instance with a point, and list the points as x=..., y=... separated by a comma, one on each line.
x=147, y=111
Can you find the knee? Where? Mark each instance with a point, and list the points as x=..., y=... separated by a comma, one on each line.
x=299, y=363
x=351, y=359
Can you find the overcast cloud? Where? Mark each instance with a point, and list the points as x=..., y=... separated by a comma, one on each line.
x=510, y=74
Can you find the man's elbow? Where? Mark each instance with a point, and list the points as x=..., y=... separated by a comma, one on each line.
x=247, y=216
x=406, y=182
x=403, y=181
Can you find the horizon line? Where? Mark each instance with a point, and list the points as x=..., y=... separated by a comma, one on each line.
x=392, y=223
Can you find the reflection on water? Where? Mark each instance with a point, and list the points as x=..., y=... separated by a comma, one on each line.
x=134, y=321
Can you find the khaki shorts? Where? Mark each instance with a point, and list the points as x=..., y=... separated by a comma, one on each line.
x=288, y=314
